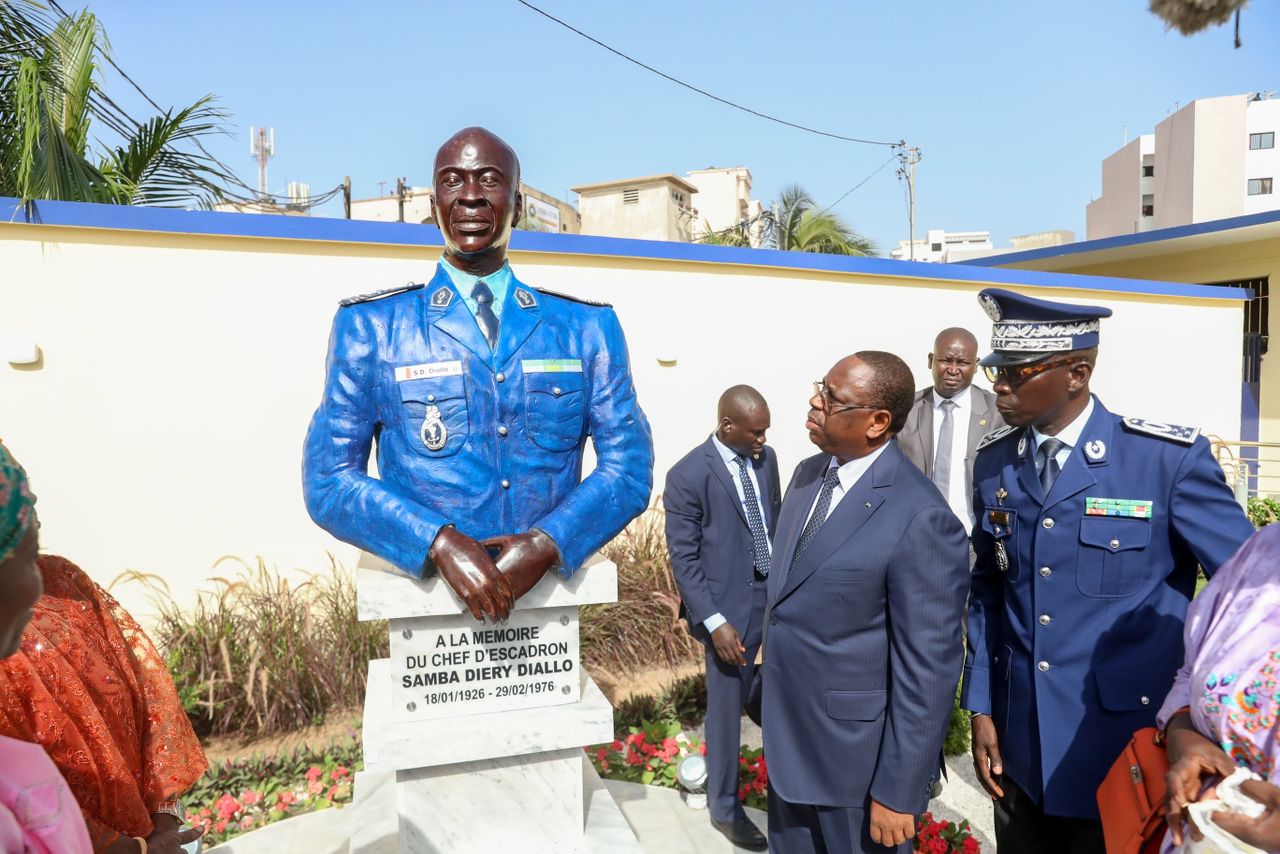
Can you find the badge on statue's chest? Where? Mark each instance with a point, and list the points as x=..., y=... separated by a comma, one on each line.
x=434, y=433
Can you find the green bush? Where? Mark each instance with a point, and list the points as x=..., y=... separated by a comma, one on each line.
x=1264, y=511
x=262, y=654
x=958, y=732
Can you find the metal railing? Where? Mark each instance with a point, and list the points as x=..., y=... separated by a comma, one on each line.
x=1252, y=468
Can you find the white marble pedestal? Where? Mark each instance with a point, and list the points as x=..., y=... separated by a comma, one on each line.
x=488, y=781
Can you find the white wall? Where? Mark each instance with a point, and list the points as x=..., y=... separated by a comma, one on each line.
x=164, y=428
x=1262, y=117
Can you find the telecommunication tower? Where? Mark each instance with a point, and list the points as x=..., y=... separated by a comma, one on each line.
x=262, y=147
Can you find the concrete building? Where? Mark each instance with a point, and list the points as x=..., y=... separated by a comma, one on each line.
x=1018, y=243
x=1215, y=158
x=939, y=246
x=724, y=201
x=657, y=207
x=543, y=212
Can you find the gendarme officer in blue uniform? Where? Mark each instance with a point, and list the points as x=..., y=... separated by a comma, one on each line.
x=1090, y=527
x=480, y=392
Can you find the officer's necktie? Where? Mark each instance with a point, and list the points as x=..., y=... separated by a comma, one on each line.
x=1049, y=454
x=942, y=454
x=484, y=312
x=759, y=539
x=819, y=515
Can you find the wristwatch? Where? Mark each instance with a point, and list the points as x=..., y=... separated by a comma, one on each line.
x=174, y=808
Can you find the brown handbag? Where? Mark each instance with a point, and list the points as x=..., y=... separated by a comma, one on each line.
x=1131, y=797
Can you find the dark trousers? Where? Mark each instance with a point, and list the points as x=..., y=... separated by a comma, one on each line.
x=808, y=829
x=727, y=686
x=1022, y=826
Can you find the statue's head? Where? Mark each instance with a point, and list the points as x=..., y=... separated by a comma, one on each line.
x=477, y=193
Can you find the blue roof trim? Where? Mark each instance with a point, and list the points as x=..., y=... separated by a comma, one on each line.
x=169, y=220
x=1122, y=240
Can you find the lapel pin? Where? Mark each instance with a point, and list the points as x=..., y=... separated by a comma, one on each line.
x=1095, y=450
x=1022, y=446
x=867, y=505
x=1001, y=495
x=982, y=422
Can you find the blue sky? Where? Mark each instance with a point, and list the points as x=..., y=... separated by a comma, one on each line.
x=1014, y=104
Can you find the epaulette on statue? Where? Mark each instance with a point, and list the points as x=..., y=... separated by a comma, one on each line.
x=1172, y=432
x=377, y=295
x=994, y=436
x=580, y=300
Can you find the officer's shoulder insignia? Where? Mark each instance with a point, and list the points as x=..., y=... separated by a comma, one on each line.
x=377, y=295
x=1172, y=432
x=994, y=436
x=570, y=298
x=524, y=299
x=441, y=298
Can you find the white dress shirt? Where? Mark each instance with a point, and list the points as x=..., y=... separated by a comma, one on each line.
x=850, y=473
x=958, y=496
x=1069, y=436
x=730, y=458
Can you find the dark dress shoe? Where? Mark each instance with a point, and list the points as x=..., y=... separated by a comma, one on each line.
x=742, y=833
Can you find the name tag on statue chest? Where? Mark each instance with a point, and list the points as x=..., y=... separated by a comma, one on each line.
x=442, y=666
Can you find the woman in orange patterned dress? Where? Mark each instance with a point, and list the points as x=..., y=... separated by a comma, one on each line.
x=89, y=687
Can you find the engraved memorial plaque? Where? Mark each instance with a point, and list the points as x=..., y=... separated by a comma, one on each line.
x=445, y=666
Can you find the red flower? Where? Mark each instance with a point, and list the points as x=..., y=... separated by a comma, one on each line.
x=971, y=845
x=616, y=746
x=333, y=791
x=602, y=754
x=250, y=797
x=702, y=748
x=314, y=772
x=634, y=758
x=227, y=807
x=315, y=787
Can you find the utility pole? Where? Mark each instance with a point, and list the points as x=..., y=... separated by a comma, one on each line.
x=262, y=147
x=400, y=194
x=908, y=157
x=346, y=197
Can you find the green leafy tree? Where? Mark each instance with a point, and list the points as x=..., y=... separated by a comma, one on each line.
x=794, y=224
x=49, y=96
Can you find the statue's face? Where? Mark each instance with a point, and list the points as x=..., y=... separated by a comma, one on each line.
x=477, y=193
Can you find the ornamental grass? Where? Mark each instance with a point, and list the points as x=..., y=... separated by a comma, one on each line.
x=262, y=654
x=643, y=628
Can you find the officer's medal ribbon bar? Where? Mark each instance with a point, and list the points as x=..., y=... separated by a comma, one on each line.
x=1132, y=508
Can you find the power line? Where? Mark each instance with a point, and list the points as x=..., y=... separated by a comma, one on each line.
x=693, y=88
x=877, y=171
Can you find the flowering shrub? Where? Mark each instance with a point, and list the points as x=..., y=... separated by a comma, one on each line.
x=753, y=786
x=648, y=754
x=228, y=814
x=944, y=837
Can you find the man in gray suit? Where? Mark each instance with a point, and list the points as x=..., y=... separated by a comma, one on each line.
x=948, y=420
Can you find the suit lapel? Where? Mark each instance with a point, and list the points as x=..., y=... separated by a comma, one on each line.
x=721, y=472
x=853, y=511
x=795, y=512
x=1077, y=475
x=979, y=419
x=766, y=489
x=924, y=430
x=519, y=319
x=452, y=317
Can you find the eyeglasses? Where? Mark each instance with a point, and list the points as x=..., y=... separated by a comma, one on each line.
x=833, y=406
x=1016, y=375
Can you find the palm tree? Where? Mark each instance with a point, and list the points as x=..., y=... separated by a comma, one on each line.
x=735, y=236
x=48, y=97
x=793, y=224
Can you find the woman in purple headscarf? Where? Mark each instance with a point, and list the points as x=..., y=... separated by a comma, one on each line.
x=37, y=812
x=1222, y=711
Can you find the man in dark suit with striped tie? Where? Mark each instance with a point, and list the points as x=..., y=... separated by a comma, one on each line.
x=722, y=503
x=862, y=628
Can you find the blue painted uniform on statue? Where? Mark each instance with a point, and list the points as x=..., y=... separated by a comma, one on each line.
x=1078, y=597
x=488, y=439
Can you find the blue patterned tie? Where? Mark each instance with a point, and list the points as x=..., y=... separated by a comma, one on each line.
x=759, y=539
x=484, y=312
x=819, y=515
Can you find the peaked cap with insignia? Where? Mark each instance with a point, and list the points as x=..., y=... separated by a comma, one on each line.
x=1027, y=329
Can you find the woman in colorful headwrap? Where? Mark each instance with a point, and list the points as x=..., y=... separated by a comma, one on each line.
x=1223, y=712
x=89, y=688
x=37, y=811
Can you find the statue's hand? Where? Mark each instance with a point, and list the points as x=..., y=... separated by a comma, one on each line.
x=524, y=558
x=466, y=567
